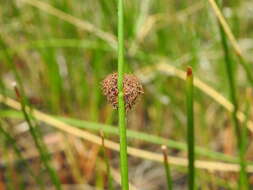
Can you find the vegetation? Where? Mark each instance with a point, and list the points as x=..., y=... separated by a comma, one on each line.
x=57, y=129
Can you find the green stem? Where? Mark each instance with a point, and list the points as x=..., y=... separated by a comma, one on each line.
x=107, y=162
x=232, y=88
x=190, y=129
x=247, y=68
x=121, y=111
x=44, y=155
x=167, y=167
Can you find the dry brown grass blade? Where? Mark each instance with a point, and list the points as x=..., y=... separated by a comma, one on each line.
x=208, y=165
x=73, y=20
x=171, y=70
x=226, y=27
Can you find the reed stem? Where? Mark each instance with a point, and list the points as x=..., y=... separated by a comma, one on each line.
x=44, y=155
x=232, y=90
x=167, y=167
x=121, y=111
x=107, y=162
x=190, y=129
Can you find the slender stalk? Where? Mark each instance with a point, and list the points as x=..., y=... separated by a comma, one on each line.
x=167, y=167
x=247, y=69
x=44, y=156
x=230, y=36
x=106, y=159
x=245, y=134
x=190, y=129
x=232, y=90
x=121, y=111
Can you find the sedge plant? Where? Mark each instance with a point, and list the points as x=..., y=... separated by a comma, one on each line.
x=190, y=128
x=167, y=167
x=44, y=155
x=243, y=184
x=230, y=70
x=121, y=110
x=107, y=163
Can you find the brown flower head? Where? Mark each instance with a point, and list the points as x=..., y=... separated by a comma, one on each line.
x=131, y=86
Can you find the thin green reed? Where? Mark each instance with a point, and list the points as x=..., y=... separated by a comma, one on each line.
x=247, y=69
x=107, y=162
x=167, y=167
x=232, y=90
x=44, y=155
x=190, y=129
x=121, y=111
x=245, y=132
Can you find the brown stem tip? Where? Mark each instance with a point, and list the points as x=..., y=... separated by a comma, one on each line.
x=189, y=72
x=165, y=152
x=14, y=84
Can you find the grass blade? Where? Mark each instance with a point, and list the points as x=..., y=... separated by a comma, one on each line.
x=232, y=90
x=190, y=129
x=227, y=32
x=121, y=111
x=44, y=156
x=167, y=167
x=106, y=159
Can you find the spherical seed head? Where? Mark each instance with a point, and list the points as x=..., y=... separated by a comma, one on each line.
x=132, y=89
x=110, y=89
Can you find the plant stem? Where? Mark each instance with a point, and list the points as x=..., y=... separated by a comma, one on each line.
x=107, y=162
x=190, y=129
x=232, y=91
x=167, y=167
x=44, y=155
x=247, y=69
x=121, y=111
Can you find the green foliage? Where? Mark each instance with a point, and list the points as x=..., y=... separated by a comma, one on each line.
x=60, y=59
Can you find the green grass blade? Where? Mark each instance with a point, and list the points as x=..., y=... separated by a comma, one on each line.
x=190, y=129
x=44, y=156
x=232, y=90
x=107, y=162
x=167, y=167
x=245, y=142
x=121, y=111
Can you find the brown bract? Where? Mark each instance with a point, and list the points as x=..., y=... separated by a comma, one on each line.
x=132, y=89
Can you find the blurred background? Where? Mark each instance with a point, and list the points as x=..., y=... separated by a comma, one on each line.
x=59, y=51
